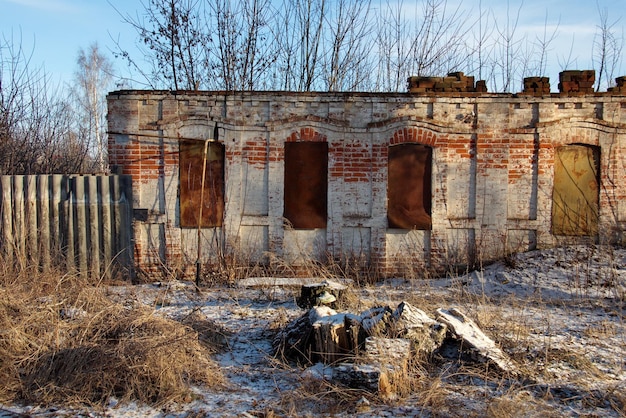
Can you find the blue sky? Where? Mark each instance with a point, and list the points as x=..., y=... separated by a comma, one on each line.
x=55, y=29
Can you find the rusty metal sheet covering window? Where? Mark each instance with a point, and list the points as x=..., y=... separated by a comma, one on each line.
x=191, y=159
x=409, y=186
x=306, y=180
x=575, y=196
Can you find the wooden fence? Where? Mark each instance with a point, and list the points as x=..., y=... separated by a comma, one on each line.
x=78, y=223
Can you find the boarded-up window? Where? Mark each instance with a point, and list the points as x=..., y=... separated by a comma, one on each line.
x=575, y=196
x=306, y=181
x=409, y=186
x=191, y=181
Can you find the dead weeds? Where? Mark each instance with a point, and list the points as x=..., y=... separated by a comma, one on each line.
x=64, y=341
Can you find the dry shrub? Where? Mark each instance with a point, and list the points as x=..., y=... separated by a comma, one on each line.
x=431, y=393
x=323, y=397
x=212, y=335
x=401, y=381
x=65, y=342
x=519, y=403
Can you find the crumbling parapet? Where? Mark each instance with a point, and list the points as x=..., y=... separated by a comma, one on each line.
x=620, y=85
x=453, y=82
x=577, y=81
x=571, y=82
x=536, y=86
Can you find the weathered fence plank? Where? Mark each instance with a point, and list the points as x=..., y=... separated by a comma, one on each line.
x=107, y=231
x=81, y=223
x=30, y=219
x=6, y=208
x=18, y=217
x=43, y=220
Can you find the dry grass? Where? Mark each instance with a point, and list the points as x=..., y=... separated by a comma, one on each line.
x=519, y=403
x=64, y=341
x=554, y=376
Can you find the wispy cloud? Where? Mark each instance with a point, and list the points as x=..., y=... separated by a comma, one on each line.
x=47, y=5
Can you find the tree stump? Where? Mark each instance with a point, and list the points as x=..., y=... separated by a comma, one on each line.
x=310, y=294
x=330, y=340
x=414, y=324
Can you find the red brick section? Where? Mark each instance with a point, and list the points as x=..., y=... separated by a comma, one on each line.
x=143, y=157
x=357, y=162
x=336, y=160
x=491, y=152
x=126, y=156
x=620, y=85
x=453, y=82
x=255, y=152
x=577, y=81
x=523, y=153
x=306, y=134
x=415, y=135
x=536, y=86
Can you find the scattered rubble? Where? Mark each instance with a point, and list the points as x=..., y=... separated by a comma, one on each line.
x=366, y=350
x=426, y=334
x=471, y=337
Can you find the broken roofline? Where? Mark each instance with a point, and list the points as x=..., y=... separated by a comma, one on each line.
x=571, y=82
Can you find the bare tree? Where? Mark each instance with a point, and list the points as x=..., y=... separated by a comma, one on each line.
x=310, y=21
x=566, y=61
x=426, y=41
x=509, y=48
x=337, y=45
x=392, y=48
x=93, y=78
x=607, y=49
x=438, y=41
x=300, y=40
x=345, y=65
x=173, y=41
x=542, y=44
x=245, y=45
x=36, y=134
x=480, y=50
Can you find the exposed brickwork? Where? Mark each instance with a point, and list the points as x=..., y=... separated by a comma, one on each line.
x=357, y=163
x=492, y=172
x=577, y=81
x=620, y=85
x=537, y=86
x=306, y=134
x=454, y=82
x=254, y=152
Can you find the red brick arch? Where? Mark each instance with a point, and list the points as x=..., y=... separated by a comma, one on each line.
x=306, y=135
x=414, y=135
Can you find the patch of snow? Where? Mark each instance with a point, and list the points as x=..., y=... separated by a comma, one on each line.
x=559, y=313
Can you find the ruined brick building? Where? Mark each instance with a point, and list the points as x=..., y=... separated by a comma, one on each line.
x=446, y=174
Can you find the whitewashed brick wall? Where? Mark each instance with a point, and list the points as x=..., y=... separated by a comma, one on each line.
x=493, y=156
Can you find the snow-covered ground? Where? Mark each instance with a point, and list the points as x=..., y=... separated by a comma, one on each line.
x=559, y=315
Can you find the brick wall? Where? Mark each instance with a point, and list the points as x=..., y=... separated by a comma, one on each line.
x=492, y=172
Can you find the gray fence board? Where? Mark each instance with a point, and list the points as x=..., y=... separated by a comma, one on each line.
x=81, y=223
